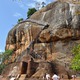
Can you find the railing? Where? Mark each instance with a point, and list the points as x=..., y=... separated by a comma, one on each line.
x=43, y=23
x=28, y=49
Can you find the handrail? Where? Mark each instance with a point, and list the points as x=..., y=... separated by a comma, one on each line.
x=28, y=49
x=43, y=23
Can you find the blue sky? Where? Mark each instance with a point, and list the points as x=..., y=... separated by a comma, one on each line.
x=10, y=12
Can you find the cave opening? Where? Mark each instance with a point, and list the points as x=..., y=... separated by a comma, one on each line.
x=23, y=67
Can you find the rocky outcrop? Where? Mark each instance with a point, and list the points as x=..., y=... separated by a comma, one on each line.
x=49, y=35
x=60, y=16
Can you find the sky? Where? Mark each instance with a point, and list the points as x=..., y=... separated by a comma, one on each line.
x=10, y=12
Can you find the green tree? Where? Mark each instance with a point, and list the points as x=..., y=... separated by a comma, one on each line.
x=2, y=66
x=30, y=12
x=20, y=20
x=75, y=64
x=43, y=4
x=37, y=5
x=4, y=56
x=1, y=57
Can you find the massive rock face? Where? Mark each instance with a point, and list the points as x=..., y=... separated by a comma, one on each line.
x=53, y=43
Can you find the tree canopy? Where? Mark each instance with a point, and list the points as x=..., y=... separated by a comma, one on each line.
x=30, y=12
x=20, y=20
x=43, y=4
x=3, y=57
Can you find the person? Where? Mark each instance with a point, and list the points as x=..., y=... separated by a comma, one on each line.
x=17, y=77
x=62, y=77
x=13, y=78
x=47, y=76
x=44, y=76
x=73, y=77
x=55, y=77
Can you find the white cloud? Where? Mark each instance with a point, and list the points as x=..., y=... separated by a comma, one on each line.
x=22, y=4
x=17, y=14
x=31, y=5
x=1, y=50
x=40, y=0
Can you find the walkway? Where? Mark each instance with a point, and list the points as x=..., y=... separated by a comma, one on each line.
x=43, y=23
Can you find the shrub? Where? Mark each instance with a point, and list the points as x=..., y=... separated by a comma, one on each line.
x=75, y=64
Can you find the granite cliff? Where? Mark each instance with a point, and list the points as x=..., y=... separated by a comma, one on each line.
x=43, y=43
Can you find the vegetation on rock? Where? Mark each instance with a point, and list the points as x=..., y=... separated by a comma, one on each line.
x=30, y=12
x=75, y=65
x=20, y=20
x=3, y=57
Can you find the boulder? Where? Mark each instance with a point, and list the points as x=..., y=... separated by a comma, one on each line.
x=48, y=36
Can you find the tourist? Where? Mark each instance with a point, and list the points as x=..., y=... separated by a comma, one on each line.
x=73, y=77
x=17, y=77
x=47, y=76
x=62, y=77
x=55, y=77
x=44, y=76
x=13, y=78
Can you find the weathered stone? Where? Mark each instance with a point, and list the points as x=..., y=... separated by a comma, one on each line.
x=63, y=24
x=44, y=67
x=51, y=42
x=11, y=70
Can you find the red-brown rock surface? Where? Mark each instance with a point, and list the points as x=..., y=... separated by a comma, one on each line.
x=51, y=51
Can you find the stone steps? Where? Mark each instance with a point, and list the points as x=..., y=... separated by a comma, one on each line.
x=22, y=77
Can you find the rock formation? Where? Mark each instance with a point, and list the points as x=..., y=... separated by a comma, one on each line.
x=48, y=38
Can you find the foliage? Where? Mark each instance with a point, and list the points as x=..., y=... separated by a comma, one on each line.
x=2, y=66
x=75, y=64
x=30, y=12
x=43, y=4
x=0, y=57
x=39, y=5
x=20, y=20
x=4, y=56
x=76, y=50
